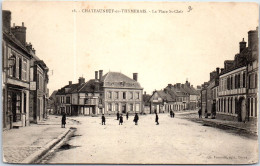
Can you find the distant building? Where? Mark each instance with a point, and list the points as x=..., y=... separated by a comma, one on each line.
x=161, y=102
x=114, y=92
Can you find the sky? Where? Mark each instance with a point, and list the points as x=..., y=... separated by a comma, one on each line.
x=162, y=48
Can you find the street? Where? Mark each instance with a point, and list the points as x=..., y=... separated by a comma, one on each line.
x=175, y=140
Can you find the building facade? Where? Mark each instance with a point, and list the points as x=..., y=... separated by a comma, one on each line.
x=17, y=55
x=238, y=94
x=114, y=92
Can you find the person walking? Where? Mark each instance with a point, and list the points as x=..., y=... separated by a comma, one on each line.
x=171, y=113
x=121, y=120
x=117, y=116
x=206, y=113
x=103, y=119
x=63, y=120
x=156, y=119
x=127, y=116
x=136, y=118
x=200, y=112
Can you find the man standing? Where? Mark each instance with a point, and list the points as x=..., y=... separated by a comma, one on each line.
x=103, y=119
x=117, y=115
x=200, y=113
x=171, y=113
x=156, y=119
x=63, y=120
x=121, y=120
x=136, y=118
x=127, y=116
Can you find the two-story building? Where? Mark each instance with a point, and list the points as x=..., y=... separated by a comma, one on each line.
x=15, y=71
x=121, y=93
x=238, y=82
x=114, y=92
x=38, y=92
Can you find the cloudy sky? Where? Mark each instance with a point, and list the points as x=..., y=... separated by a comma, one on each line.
x=161, y=47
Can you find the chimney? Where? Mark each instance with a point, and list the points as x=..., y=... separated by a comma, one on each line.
x=135, y=76
x=6, y=19
x=169, y=85
x=81, y=80
x=20, y=33
x=96, y=75
x=100, y=74
x=33, y=50
x=217, y=69
x=70, y=82
x=221, y=70
x=242, y=45
x=253, y=38
x=178, y=85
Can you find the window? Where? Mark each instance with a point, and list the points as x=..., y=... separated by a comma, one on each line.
x=238, y=81
x=137, y=95
x=228, y=83
x=124, y=95
x=24, y=70
x=116, y=107
x=68, y=99
x=131, y=95
x=256, y=80
x=137, y=106
x=116, y=95
x=231, y=82
x=131, y=107
x=244, y=80
x=109, y=95
x=20, y=69
x=109, y=107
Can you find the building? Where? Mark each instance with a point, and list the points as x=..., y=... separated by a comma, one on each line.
x=15, y=71
x=238, y=82
x=121, y=93
x=38, y=92
x=161, y=101
x=25, y=77
x=106, y=94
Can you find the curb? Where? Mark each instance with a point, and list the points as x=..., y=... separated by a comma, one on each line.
x=36, y=155
x=229, y=126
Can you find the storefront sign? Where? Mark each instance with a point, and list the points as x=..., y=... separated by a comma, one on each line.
x=32, y=85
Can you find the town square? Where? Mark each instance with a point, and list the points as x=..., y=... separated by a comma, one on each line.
x=118, y=83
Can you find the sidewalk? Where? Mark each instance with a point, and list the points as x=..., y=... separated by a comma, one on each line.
x=248, y=127
x=23, y=145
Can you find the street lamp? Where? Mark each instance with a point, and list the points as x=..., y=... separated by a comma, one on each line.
x=11, y=62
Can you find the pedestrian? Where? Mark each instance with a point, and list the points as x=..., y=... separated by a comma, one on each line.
x=63, y=120
x=127, y=116
x=156, y=119
x=103, y=119
x=206, y=113
x=200, y=112
x=171, y=113
x=121, y=120
x=136, y=118
x=117, y=116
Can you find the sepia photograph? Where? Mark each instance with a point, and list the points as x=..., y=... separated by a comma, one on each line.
x=120, y=82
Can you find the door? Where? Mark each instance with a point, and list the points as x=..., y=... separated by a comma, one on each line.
x=243, y=110
x=123, y=108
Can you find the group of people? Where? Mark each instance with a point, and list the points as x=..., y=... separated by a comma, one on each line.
x=119, y=117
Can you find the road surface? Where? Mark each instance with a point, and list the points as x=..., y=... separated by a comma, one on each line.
x=174, y=141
